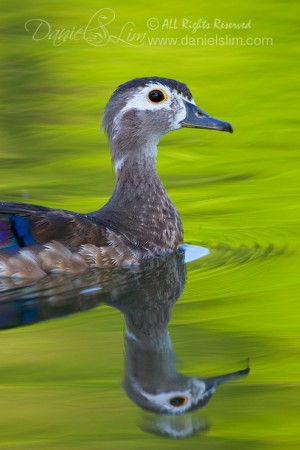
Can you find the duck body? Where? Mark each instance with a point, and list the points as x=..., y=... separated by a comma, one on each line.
x=37, y=240
x=138, y=222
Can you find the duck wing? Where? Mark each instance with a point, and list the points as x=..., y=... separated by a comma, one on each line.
x=22, y=225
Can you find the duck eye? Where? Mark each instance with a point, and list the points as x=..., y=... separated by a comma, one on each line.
x=157, y=96
x=178, y=401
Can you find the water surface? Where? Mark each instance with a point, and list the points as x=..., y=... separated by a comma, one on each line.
x=61, y=372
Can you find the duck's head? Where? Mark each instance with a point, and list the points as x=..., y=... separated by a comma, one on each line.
x=144, y=109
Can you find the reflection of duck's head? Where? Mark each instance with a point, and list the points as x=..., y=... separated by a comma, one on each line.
x=177, y=395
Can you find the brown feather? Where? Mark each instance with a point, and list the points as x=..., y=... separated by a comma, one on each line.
x=55, y=257
x=23, y=265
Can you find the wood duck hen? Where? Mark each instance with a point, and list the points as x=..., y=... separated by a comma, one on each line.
x=139, y=221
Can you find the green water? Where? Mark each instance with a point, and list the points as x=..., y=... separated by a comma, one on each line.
x=237, y=195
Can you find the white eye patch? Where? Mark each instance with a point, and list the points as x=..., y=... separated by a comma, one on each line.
x=173, y=104
x=163, y=399
x=140, y=99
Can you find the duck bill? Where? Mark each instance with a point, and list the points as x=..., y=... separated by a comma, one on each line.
x=196, y=118
x=213, y=382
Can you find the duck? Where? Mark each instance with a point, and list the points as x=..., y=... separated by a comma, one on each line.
x=139, y=221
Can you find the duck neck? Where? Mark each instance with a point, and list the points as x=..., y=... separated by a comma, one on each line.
x=138, y=179
x=150, y=358
x=140, y=208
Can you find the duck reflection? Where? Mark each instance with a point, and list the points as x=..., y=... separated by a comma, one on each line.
x=151, y=378
x=146, y=299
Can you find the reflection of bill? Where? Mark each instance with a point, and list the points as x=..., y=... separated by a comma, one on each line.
x=98, y=34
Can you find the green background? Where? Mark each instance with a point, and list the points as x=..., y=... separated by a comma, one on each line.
x=237, y=194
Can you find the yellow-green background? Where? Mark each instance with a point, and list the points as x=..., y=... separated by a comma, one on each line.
x=237, y=194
